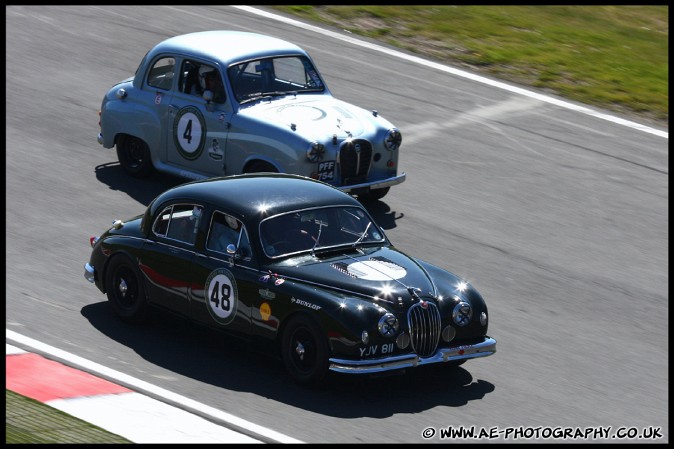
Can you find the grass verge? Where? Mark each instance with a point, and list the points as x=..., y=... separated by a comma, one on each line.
x=610, y=56
x=31, y=422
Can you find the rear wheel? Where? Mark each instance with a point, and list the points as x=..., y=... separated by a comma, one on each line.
x=125, y=290
x=304, y=351
x=374, y=195
x=134, y=156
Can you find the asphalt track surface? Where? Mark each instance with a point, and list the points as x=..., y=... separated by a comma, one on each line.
x=557, y=216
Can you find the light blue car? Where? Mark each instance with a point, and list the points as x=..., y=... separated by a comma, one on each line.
x=219, y=103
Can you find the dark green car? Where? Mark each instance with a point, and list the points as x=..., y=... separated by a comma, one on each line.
x=294, y=262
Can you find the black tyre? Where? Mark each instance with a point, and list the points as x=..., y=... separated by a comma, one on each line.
x=304, y=350
x=373, y=195
x=453, y=364
x=134, y=156
x=125, y=290
x=261, y=166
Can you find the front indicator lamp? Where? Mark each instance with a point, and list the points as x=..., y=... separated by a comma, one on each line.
x=403, y=340
x=448, y=333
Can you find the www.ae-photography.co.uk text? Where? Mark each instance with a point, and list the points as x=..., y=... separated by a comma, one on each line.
x=545, y=433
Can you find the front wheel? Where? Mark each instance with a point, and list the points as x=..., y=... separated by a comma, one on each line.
x=304, y=350
x=134, y=156
x=261, y=166
x=373, y=195
x=455, y=363
x=125, y=290
x=451, y=367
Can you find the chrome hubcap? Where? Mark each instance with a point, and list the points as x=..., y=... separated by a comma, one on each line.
x=123, y=287
x=299, y=349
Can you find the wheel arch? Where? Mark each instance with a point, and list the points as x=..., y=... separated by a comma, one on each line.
x=250, y=165
x=133, y=118
x=283, y=325
x=115, y=255
x=336, y=323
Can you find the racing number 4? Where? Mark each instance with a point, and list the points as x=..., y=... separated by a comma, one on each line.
x=187, y=135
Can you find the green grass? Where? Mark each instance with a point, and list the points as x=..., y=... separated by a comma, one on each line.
x=613, y=57
x=31, y=422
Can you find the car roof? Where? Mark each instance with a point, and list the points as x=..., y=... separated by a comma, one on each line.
x=256, y=196
x=227, y=46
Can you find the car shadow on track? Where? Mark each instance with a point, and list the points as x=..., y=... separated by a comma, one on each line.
x=214, y=358
x=143, y=190
x=382, y=214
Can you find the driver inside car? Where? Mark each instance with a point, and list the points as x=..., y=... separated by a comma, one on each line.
x=225, y=232
x=209, y=79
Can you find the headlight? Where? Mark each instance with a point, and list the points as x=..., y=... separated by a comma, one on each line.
x=316, y=152
x=388, y=325
x=462, y=313
x=393, y=139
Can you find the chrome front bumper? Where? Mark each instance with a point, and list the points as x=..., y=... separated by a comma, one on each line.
x=483, y=349
x=89, y=273
x=374, y=184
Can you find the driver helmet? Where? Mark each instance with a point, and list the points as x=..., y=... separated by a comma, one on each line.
x=232, y=222
x=196, y=212
x=204, y=71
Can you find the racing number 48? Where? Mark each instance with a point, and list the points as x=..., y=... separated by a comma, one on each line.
x=220, y=296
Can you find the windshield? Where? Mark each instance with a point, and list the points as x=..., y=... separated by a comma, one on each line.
x=266, y=77
x=313, y=230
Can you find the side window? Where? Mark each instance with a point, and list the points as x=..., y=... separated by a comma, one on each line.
x=226, y=230
x=161, y=73
x=179, y=222
x=161, y=224
x=195, y=78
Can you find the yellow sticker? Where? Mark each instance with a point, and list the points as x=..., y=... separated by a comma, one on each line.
x=265, y=311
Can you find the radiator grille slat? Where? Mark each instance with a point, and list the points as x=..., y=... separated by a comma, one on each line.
x=355, y=158
x=424, y=326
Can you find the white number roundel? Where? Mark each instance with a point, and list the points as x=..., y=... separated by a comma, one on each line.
x=189, y=132
x=221, y=298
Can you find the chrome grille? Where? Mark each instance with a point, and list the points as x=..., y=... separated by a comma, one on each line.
x=424, y=325
x=355, y=157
